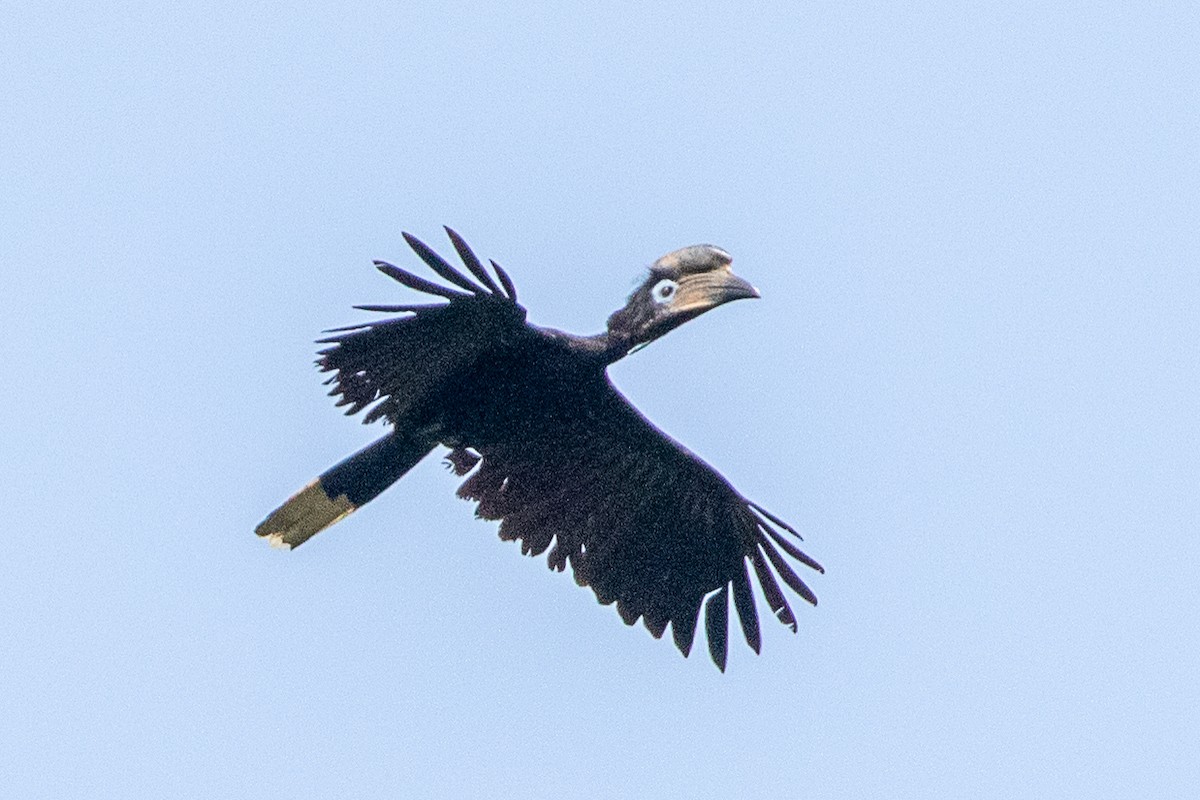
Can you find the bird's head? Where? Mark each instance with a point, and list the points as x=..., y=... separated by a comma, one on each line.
x=681, y=286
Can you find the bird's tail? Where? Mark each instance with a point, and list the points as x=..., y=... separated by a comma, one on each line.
x=343, y=488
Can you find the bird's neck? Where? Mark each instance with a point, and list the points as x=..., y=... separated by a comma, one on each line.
x=611, y=346
x=601, y=348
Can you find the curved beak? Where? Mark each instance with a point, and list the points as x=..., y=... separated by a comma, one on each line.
x=701, y=291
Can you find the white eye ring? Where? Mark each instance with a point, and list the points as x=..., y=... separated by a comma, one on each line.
x=664, y=291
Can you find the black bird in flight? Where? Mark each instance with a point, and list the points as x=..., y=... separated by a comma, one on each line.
x=554, y=451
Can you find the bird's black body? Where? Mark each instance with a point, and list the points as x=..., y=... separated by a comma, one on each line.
x=552, y=450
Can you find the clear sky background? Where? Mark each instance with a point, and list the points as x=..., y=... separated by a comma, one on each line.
x=971, y=382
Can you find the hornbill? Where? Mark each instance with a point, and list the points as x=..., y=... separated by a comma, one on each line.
x=553, y=450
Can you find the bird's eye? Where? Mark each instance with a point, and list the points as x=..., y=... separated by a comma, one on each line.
x=664, y=290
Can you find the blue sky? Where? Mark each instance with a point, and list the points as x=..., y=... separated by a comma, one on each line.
x=971, y=382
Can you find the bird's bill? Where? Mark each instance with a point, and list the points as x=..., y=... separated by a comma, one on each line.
x=700, y=291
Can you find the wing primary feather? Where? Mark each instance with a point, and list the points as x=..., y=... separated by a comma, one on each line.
x=557, y=560
x=400, y=309
x=472, y=261
x=683, y=627
x=628, y=613
x=418, y=284
x=716, y=626
x=786, y=572
x=440, y=265
x=791, y=549
x=509, y=289
x=775, y=519
x=771, y=591
x=362, y=326
x=656, y=624
x=349, y=332
x=743, y=600
x=376, y=413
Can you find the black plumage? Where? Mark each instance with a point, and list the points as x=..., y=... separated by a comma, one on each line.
x=551, y=449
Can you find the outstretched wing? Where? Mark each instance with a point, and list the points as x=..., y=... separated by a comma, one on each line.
x=642, y=521
x=400, y=363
